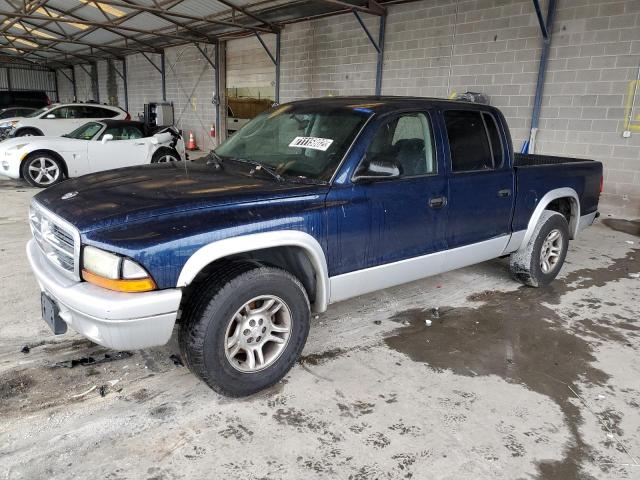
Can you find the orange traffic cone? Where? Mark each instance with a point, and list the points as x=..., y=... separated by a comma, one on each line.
x=191, y=145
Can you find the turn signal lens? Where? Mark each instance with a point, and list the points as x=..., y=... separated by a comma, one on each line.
x=138, y=285
x=114, y=272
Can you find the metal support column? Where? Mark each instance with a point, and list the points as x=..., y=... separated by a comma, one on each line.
x=73, y=83
x=55, y=76
x=94, y=81
x=123, y=76
x=9, y=78
x=124, y=81
x=277, y=93
x=379, y=45
x=215, y=63
x=164, y=78
x=275, y=59
x=545, y=27
x=381, y=33
x=216, y=80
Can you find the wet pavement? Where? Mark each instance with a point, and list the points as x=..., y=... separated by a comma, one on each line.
x=463, y=375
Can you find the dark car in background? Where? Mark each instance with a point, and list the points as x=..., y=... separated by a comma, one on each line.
x=24, y=98
x=16, y=112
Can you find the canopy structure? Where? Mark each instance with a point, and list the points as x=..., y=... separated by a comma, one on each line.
x=60, y=33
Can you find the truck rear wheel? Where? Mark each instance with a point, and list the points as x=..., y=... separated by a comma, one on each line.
x=242, y=332
x=539, y=262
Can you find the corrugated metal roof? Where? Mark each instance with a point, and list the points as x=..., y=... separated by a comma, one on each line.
x=122, y=16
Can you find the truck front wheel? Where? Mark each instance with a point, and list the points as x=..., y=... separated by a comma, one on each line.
x=539, y=262
x=243, y=331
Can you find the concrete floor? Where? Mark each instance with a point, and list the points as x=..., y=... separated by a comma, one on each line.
x=507, y=383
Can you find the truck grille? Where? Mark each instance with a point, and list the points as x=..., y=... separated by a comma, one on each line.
x=57, y=239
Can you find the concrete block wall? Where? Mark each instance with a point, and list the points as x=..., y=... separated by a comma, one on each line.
x=190, y=86
x=250, y=71
x=329, y=56
x=144, y=83
x=595, y=54
x=65, y=87
x=110, y=83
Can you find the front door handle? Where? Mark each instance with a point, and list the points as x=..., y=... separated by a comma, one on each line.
x=505, y=192
x=437, y=202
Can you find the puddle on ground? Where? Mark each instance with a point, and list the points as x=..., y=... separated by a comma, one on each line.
x=632, y=227
x=519, y=336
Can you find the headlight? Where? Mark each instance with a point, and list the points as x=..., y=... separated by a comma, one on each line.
x=8, y=124
x=114, y=272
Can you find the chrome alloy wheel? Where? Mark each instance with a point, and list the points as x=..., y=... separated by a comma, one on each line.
x=550, y=251
x=166, y=158
x=258, y=333
x=44, y=171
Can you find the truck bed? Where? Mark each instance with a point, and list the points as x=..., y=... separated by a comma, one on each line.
x=537, y=174
x=535, y=160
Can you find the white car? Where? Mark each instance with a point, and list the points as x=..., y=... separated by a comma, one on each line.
x=58, y=119
x=94, y=147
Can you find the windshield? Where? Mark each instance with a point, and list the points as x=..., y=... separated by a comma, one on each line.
x=38, y=112
x=297, y=141
x=86, y=131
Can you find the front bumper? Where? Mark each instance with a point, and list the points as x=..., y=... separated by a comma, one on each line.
x=123, y=321
x=10, y=166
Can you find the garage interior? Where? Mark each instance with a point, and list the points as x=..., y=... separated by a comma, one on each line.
x=505, y=382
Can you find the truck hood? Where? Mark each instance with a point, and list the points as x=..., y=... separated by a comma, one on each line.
x=114, y=197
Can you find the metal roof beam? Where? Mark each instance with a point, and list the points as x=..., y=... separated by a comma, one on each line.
x=143, y=8
x=272, y=27
x=206, y=57
x=104, y=47
x=101, y=25
x=373, y=8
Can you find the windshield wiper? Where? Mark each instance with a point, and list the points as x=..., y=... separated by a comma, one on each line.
x=259, y=167
x=214, y=159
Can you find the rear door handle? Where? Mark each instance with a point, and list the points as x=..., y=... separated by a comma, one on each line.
x=437, y=202
x=505, y=192
x=139, y=144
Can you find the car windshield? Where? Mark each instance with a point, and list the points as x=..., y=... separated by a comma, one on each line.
x=86, y=131
x=38, y=112
x=297, y=141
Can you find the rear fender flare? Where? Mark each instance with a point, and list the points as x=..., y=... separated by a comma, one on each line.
x=257, y=241
x=550, y=196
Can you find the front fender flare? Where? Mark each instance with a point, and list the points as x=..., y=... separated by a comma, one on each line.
x=257, y=241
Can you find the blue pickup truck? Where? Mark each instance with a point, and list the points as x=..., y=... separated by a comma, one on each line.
x=311, y=203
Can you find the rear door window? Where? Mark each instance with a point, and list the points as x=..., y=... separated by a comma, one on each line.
x=99, y=112
x=469, y=145
x=495, y=141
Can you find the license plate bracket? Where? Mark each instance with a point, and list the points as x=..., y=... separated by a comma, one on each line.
x=51, y=315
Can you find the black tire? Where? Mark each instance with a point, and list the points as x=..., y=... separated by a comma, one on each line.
x=210, y=312
x=32, y=170
x=165, y=155
x=28, y=132
x=526, y=264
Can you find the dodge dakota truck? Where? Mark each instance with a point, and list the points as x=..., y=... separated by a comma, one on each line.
x=312, y=202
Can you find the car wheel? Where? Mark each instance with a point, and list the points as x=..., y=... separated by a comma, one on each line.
x=243, y=331
x=28, y=132
x=164, y=156
x=42, y=170
x=539, y=262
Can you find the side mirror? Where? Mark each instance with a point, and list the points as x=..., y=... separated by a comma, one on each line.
x=378, y=170
x=51, y=115
x=106, y=138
